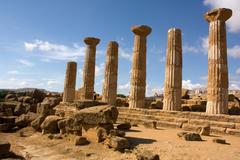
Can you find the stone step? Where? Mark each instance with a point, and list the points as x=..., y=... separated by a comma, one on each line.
x=156, y=118
x=150, y=123
x=184, y=120
x=180, y=114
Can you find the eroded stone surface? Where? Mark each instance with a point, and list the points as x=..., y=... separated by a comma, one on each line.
x=138, y=74
x=110, y=77
x=70, y=82
x=173, y=72
x=97, y=115
x=217, y=90
x=87, y=89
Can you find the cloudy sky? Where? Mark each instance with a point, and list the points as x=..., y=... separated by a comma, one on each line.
x=37, y=38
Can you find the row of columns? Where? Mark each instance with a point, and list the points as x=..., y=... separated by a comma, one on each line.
x=217, y=90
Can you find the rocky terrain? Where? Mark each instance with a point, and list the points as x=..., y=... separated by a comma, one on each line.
x=35, y=124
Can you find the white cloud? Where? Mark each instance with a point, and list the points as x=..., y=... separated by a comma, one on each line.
x=55, y=51
x=187, y=84
x=124, y=88
x=234, y=51
x=125, y=54
x=52, y=82
x=99, y=70
x=13, y=72
x=25, y=62
x=151, y=91
x=190, y=49
x=204, y=44
x=233, y=23
x=238, y=71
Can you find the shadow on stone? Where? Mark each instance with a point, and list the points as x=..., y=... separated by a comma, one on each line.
x=132, y=130
x=133, y=141
x=11, y=156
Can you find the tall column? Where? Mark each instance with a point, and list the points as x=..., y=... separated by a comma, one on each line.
x=89, y=68
x=173, y=72
x=217, y=91
x=138, y=75
x=110, y=78
x=70, y=82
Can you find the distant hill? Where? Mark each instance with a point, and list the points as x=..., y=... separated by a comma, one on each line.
x=19, y=90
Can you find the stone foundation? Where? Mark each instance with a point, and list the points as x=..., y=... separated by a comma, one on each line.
x=223, y=124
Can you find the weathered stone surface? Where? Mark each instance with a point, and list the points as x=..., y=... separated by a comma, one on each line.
x=147, y=155
x=235, y=132
x=79, y=140
x=217, y=90
x=11, y=97
x=87, y=88
x=138, y=72
x=156, y=105
x=181, y=134
x=116, y=132
x=50, y=124
x=205, y=131
x=46, y=107
x=20, y=109
x=124, y=126
x=97, y=115
x=38, y=94
x=96, y=133
x=70, y=82
x=218, y=140
x=25, y=119
x=36, y=124
x=185, y=94
x=173, y=72
x=192, y=137
x=110, y=77
x=4, y=148
x=7, y=123
x=70, y=126
x=118, y=143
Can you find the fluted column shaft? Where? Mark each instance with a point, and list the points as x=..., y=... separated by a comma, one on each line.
x=173, y=72
x=217, y=91
x=138, y=74
x=110, y=77
x=70, y=82
x=89, y=68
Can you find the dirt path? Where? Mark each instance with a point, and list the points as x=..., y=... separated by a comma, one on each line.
x=161, y=141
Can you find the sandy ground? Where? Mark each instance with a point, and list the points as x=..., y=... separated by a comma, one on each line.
x=162, y=141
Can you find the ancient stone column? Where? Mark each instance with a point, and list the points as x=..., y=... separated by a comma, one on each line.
x=173, y=72
x=138, y=75
x=110, y=78
x=70, y=82
x=217, y=91
x=87, y=89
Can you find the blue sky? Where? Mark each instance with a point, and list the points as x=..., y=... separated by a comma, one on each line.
x=39, y=37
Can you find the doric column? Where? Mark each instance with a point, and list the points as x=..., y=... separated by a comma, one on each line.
x=110, y=78
x=87, y=89
x=173, y=72
x=138, y=75
x=70, y=82
x=217, y=91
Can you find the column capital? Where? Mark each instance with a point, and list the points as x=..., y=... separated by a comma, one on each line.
x=112, y=43
x=221, y=14
x=174, y=30
x=92, y=41
x=141, y=30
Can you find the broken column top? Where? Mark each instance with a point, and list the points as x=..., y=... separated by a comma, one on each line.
x=221, y=14
x=113, y=43
x=141, y=30
x=174, y=30
x=91, y=41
